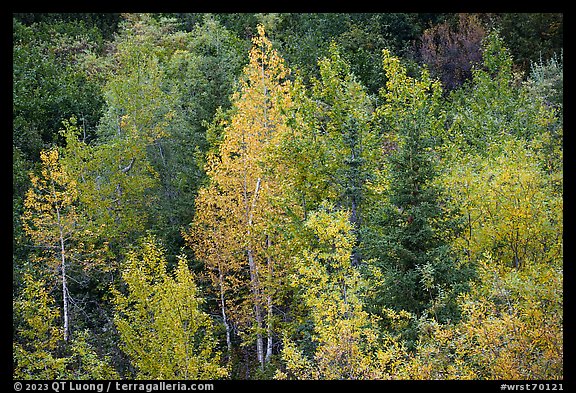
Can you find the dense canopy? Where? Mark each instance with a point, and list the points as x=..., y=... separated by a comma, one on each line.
x=288, y=196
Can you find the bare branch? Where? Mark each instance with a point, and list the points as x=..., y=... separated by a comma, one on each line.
x=126, y=169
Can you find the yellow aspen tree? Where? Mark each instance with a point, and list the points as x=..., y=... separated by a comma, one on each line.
x=511, y=206
x=162, y=328
x=33, y=350
x=233, y=232
x=50, y=218
x=347, y=343
x=36, y=350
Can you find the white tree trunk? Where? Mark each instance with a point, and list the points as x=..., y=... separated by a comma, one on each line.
x=254, y=280
x=223, y=309
x=63, y=269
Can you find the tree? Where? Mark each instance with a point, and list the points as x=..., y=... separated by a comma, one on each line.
x=37, y=336
x=531, y=36
x=349, y=144
x=159, y=318
x=201, y=74
x=236, y=216
x=502, y=165
x=492, y=107
x=513, y=209
x=414, y=248
x=50, y=83
x=546, y=80
x=511, y=328
x=330, y=153
x=452, y=53
x=114, y=180
x=37, y=352
x=20, y=183
x=71, y=241
x=50, y=218
x=164, y=86
x=345, y=338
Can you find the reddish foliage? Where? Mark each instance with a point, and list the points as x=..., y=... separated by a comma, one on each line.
x=450, y=52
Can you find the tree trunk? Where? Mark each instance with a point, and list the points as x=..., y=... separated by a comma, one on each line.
x=224, y=317
x=254, y=281
x=62, y=268
x=269, y=306
x=257, y=310
x=355, y=258
x=269, y=331
x=64, y=289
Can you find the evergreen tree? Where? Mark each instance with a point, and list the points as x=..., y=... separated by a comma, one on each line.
x=330, y=153
x=344, y=112
x=415, y=254
x=338, y=233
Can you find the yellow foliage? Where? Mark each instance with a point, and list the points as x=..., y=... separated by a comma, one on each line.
x=511, y=207
x=235, y=228
x=159, y=320
x=511, y=329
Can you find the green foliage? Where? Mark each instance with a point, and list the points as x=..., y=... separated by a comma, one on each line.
x=37, y=350
x=20, y=183
x=345, y=137
x=163, y=330
x=492, y=107
x=546, y=80
x=50, y=83
x=115, y=182
x=531, y=36
x=345, y=338
x=331, y=155
x=105, y=23
x=164, y=86
x=85, y=363
x=350, y=216
x=303, y=38
x=413, y=246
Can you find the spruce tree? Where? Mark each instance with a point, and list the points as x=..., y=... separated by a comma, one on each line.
x=415, y=256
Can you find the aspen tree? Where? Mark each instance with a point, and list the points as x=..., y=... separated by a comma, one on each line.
x=162, y=328
x=33, y=350
x=512, y=208
x=50, y=218
x=36, y=350
x=234, y=227
x=347, y=343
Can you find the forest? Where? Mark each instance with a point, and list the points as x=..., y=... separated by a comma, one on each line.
x=287, y=196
